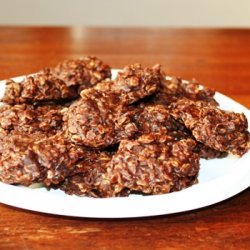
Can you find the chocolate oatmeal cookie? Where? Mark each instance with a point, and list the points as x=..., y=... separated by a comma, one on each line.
x=175, y=88
x=102, y=116
x=217, y=129
x=151, y=167
x=30, y=118
x=63, y=82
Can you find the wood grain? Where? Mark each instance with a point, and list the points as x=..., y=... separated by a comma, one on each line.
x=217, y=58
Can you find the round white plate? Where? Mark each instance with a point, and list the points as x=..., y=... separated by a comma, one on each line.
x=219, y=179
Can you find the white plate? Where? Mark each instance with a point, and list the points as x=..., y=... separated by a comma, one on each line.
x=219, y=179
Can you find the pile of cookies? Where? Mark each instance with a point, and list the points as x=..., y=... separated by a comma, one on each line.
x=75, y=128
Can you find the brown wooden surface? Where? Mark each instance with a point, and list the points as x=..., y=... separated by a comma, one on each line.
x=217, y=58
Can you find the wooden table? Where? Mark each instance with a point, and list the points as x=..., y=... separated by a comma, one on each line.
x=219, y=58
